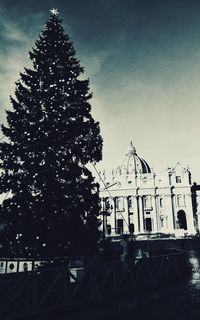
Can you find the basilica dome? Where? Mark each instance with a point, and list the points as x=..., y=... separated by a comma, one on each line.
x=133, y=164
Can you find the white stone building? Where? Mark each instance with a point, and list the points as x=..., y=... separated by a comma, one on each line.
x=134, y=199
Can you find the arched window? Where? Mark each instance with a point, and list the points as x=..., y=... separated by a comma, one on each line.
x=180, y=200
x=130, y=202
x=147, y=202
x=182, y=221
x=108, y=205
x=161, y=202
x=119, y=202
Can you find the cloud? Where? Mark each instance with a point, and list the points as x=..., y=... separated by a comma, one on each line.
x=12, y=32
x=93, y=62
x=17, y=41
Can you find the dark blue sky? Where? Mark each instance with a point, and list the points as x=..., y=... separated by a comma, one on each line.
x=143, y=61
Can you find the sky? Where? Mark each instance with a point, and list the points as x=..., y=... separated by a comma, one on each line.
x=143, y=61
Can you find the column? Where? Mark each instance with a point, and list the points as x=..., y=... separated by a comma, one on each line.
x=135, y=216
x=141, y=214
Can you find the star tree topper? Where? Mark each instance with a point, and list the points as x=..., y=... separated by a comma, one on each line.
x=54, y=12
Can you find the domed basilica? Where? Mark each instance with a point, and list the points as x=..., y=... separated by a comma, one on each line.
x=134, y=199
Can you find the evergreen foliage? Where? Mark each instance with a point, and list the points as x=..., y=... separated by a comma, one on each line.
x=51, y=201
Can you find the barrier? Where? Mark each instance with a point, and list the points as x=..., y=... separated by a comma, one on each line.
x=30, y=293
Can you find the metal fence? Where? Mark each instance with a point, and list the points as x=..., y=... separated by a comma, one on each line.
x=30, y=293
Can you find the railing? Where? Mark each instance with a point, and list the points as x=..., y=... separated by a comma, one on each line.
x=30, y=293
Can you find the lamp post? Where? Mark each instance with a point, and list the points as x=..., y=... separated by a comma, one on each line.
x=106, y=207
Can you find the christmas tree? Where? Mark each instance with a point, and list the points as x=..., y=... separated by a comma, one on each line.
x=51, y=203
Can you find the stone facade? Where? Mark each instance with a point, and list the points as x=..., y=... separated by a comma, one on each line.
x=134, y=199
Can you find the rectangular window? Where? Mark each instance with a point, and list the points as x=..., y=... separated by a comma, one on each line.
x=120, y=226
x=108, y=229
x=148, y=224
x=178, y=179
x=131, y=228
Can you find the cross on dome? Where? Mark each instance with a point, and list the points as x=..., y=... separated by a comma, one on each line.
x=54, y=12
